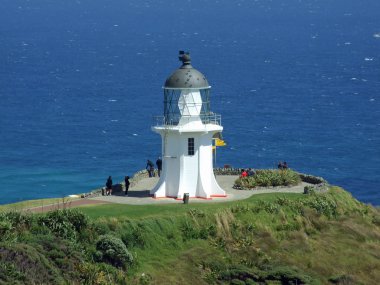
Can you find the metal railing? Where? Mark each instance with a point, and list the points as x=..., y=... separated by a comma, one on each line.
x=173, y=120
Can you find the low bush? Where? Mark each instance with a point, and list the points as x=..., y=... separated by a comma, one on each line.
x=342, y=280
x=64, y=223
x=189, y=231
x=6, y=229
x=9, y=272
x=323, y=205
x=112, y=250
x=269, y=178
x=17, y=219
x=134, y=236
x=12, y=223
x=288, y=275
x=100, y=274
x=29, y=266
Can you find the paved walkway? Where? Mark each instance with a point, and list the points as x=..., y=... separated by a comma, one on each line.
x=139, y=194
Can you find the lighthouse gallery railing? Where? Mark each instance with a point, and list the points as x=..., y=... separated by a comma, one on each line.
x=215, y=119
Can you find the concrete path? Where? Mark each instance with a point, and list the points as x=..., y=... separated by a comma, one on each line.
x=139, y=194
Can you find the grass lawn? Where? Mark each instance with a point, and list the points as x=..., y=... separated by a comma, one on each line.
x=169, y=210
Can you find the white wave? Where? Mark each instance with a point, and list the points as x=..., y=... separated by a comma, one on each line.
x=368, y=58
x=112, y=100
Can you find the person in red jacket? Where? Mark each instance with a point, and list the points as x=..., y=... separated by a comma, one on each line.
x=243, y=173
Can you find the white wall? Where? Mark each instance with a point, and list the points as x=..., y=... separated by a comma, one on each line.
x=183, y=173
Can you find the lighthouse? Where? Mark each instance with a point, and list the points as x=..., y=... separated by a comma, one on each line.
x=186, y=129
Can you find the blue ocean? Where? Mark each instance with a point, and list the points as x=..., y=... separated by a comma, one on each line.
x=80, y=80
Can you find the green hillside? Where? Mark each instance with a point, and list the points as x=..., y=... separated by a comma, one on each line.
x=319, y=238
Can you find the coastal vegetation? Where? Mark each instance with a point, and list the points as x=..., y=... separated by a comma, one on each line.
x=318, y=238
x=269, y=177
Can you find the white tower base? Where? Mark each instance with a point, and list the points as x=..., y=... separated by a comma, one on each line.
x=183, y=172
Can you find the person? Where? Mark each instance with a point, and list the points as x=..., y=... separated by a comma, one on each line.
x=243, y=173
x=285, y=165
x=126, y=180
x=280, y=165
x=159, y=166
x=150, y=168
x=250, y=172
x=109, y=186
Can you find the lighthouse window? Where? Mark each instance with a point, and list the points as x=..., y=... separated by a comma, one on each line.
x=190, y=146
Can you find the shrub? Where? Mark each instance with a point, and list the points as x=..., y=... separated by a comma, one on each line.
x=134, y=237
x=308, y=190
x=112, y=250
x=99, y=274
x=342, y=279
x=64, y=223
x=240, y=208
x=288, y=275
x=237, y=274
x=237, y=282
x=266, y=206
x=189, y=231
x=5, y=229
x=11, y=223
x=10, y=273
x=376, y=219
x=323, y=205
x=17, y=219
x=29, y=266
x=196, y=213
x=269, y=177
x=282, y=201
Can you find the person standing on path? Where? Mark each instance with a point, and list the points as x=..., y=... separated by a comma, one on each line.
x=109, y=186
x=126, y=180
x=159, y=166
x=150, y=168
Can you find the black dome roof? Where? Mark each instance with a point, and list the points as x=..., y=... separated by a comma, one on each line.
x=186, y=76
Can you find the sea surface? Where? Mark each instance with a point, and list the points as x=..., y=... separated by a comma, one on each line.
x=80, y=81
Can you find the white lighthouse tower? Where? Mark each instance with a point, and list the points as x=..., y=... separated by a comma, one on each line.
x=186, y=129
